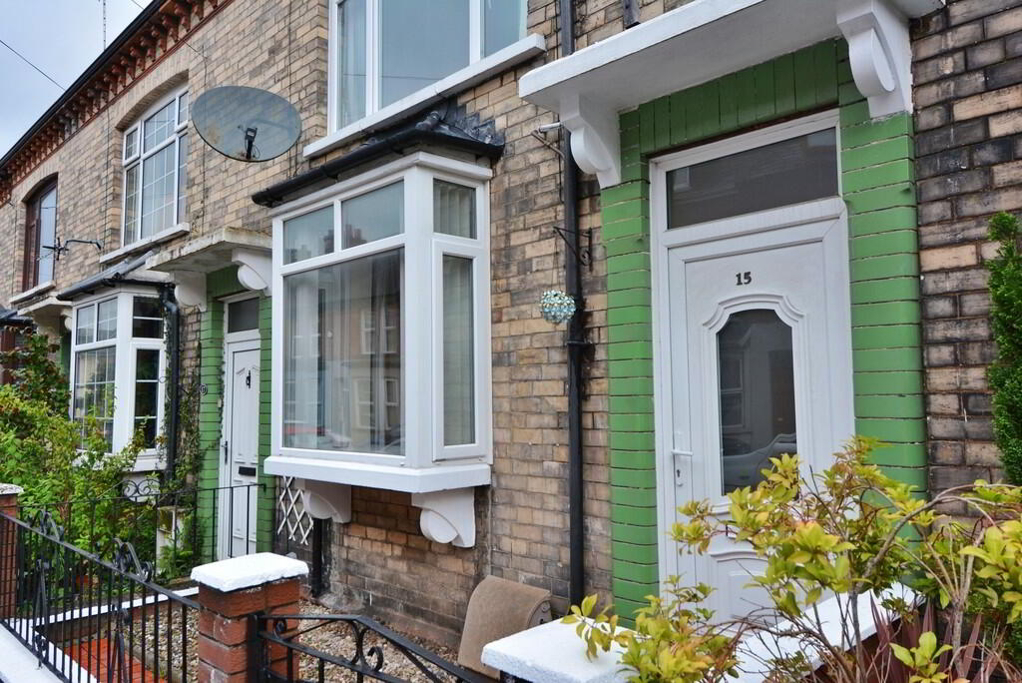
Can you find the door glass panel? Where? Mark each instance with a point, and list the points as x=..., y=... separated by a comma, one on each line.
x=757, y=395
x=788, y=172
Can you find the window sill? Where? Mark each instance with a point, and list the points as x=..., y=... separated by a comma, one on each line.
x=525, y=49
x=35, y=291
x=141, y=245
x=371, y=475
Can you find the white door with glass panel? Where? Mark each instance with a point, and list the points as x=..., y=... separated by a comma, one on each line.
x=239, y=458
x=753, y=328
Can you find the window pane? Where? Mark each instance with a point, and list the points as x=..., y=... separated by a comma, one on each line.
x=147, y=391
x=351, y=70
x=131, y=204
x=182, y=177
x=373, y=216
x=420, y=43
x=787, y=172
x=158, y=192
x=459, y=364
x=182, y=108
x=94, y=390
x=106, y=320
x=158, y=127
x=243, y=315
x=503, y=24
x=336, y=396
x=131, y=143
x=309, y=235
x=86, y=332
x=146, y=318
x=47, y=235
x=757, y=395
x=454, y=209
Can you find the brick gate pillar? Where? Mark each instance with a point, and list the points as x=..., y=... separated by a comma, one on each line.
x=232, y=593
x=8, y=548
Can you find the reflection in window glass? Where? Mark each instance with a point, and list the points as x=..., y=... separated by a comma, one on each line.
x=243, y=315
x=788, y=172
x=757, y=395
x=373, y=216
x=146, y=318
x=159, y=192
x=309, y=235
x=86, y=325
x=459, y=363
x=147, y=389
x=131, y=203
x=336, y=396
x=421, y=42
x=94, y=390
x=454, y=209
x=158, y=127
x=503, y=24
x=47, y=235
x=351, y=71
x=106, y=320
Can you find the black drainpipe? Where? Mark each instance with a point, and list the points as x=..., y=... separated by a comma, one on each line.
x=576, y=336
x=169, y=304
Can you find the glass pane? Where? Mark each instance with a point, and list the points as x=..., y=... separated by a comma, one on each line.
x=182, y=108
x=788, y=172
x=131, y=143
x=309, y=235
x=47, y=235
x=373, y=216
x=182, y=177
x=757, y=395
x=503, y=24
x=420, y=43
x=86, y=318
x=158, y=192
x=340, y=395
x=459, y=364
x=131, y=204
x=106, y=320
x=94, y=390
x=146, y=318
x=158, y=127
x=351, y=53
x=243, y=315
x=147, y=391
x=454, y=209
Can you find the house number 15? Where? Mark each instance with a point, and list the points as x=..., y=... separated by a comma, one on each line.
x=743, y=278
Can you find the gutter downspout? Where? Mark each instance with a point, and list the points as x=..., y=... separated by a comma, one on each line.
x=576, y=336
x=173, y=342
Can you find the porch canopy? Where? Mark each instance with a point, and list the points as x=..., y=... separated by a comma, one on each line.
x=707, y=39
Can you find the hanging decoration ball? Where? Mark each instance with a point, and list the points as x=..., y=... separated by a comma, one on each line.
x=556, y=306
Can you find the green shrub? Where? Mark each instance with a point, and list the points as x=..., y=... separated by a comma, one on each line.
x=1006, y=317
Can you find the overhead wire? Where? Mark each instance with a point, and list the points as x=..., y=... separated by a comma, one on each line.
x=31, y=64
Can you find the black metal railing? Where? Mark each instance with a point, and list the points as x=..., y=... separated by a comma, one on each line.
x=374, y=653
x=83, y=615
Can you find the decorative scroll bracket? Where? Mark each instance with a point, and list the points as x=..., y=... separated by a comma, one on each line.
x=595, y=139
x=326, y=500
x=448, y=516
x=254, y=269
x=880, y=54
x=190, y=289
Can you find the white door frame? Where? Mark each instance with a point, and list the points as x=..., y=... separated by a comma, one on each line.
x=800, y=223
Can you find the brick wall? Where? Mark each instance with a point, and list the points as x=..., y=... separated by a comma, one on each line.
x=968, y=94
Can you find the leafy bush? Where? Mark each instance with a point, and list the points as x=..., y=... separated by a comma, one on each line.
x=35, y=376
x=1006, y=317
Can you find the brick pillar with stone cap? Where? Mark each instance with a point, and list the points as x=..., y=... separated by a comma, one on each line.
x=231, y=594
x=8, y=548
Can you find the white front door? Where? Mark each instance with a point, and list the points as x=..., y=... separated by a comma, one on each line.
x=754, y=356
x=239, y=464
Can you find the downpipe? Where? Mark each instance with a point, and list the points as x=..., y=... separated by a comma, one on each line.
x=173, y=321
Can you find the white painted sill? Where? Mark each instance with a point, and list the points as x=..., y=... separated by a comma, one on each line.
x=388, y=477
x=35, y=291
x=516, y=53
x=141, y=245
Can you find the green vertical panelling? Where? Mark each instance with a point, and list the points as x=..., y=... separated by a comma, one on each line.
x=211, y=334
x=884, y=269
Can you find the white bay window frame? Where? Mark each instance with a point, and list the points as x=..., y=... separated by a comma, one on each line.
x=125, y=356
x=426, y=463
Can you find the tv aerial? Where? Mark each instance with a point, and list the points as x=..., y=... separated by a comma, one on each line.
x=247, y=124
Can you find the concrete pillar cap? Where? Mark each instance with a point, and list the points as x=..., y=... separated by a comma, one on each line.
x=10, y=490
x=248, y=571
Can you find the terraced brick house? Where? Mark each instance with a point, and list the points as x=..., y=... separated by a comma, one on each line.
x=771, y=215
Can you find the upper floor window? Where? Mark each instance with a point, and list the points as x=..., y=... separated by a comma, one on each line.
x=40, y=232
x=389, y=49
x=155, y=169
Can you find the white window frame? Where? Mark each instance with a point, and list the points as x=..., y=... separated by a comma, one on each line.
x=421, y=307
x=125, y=354
x=138, y=158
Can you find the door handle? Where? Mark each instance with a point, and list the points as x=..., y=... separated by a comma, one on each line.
x=226, y=451
x=682, y=461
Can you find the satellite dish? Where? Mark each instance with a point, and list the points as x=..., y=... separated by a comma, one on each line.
x=246, y=124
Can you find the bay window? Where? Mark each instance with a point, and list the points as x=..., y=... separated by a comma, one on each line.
x=118, y=368
x=155, y=169
x=381, y=336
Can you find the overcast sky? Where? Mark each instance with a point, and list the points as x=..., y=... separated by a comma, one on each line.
x=61, y=37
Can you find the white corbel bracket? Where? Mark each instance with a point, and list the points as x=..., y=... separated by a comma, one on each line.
x=595, y=138
x=448, y=516
x=190, y=289
x=326, y=500
x=879, y=53
x=254, y=269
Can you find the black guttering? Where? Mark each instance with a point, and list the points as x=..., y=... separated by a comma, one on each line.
x=170, y=305
x=372, y=150
x=144, y=16
x=111, y=277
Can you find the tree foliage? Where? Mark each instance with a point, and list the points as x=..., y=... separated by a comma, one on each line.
x=1006, y=317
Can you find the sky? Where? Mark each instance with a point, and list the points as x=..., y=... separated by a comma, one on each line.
x=61, y=37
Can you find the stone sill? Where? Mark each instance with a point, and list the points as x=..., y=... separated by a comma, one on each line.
x=35, y=291
x=141, y=245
